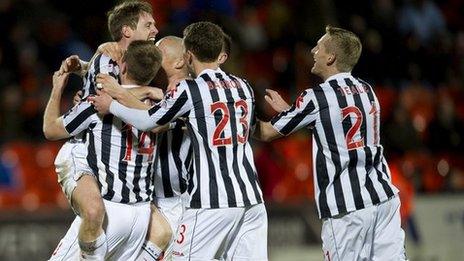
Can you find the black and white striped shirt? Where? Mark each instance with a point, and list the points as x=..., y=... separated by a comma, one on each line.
x=220, y=113
x=100, y=63
x=120, y=156
x=350, y=170
x=172, y=162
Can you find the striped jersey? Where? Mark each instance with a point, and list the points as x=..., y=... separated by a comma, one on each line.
x=220, y=110
x=172, y=161
x=120, y=156
x=100, y=63
x=350, y=170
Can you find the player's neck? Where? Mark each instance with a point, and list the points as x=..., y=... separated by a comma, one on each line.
x=177, y=77
x=329, y=72
x=199, y=67
x=126, y=80
x=123, y=44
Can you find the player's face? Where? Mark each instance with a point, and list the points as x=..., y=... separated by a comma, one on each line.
x=320, y=56
x=146, y=29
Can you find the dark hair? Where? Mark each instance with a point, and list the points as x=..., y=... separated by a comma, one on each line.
x=143, y=60
x=204, y=40
x=128, y=14
x=227, y=46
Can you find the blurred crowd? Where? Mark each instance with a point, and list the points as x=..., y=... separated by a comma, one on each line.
x=413, y=54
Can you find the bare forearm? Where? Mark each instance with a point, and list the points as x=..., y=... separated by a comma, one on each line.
x=147, y=92
x=51, y=123
x=128, y=99
x=265, y=132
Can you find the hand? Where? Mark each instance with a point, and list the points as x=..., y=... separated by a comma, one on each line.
x=111, y=49
x=109, y=84
x=101, y=102
x=60, y=80
x=156, y=94
x=274, y=99
x=77, y=97
x=72, y=64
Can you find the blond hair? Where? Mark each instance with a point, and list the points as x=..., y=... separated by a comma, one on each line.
x=345, y=45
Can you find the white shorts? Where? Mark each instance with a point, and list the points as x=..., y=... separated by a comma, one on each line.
x=373, y=233
x=125, y=227
x=222, y=234
x=70, y=165
x=172, y=209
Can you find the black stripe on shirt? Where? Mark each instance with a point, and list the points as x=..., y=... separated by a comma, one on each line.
x=233, y=125
x=353, y=155
x=178, y=104
x=368, y=164
x=326, y=121
x=164, y=161
x=221, y=149
x=322, y=178
x=105, y=152
x=79, y=119
x=92, y=155
x=176, y=145
x=252, y=175
x=126, y=129
x=203, y=131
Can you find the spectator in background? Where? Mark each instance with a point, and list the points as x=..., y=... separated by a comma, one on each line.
x=400, y=132
x=446, y=130
x=423, y=19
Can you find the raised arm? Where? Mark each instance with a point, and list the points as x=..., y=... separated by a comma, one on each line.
x=53, y=126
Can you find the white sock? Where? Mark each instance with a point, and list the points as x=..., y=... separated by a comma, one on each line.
x=95, y=250
x=149, y=251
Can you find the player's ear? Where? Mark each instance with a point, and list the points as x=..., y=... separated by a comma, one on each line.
x=179, y=63
x=126, y=31
x=222, y=58
x=189, y=57
x=331, y=59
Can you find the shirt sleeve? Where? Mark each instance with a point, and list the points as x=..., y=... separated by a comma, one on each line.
x=303, y=113
x=176, y=103
x=79, y=118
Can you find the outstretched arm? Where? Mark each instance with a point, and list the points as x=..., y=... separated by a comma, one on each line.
x=53, y=126
x=174, y=105
x=111, y=87
x=265, y=132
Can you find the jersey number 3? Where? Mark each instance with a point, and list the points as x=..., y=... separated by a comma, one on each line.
x=221, y=106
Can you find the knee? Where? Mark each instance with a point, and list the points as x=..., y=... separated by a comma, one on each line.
x=93, y=212
x=161, y=236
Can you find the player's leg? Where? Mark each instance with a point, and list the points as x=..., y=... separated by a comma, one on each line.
x=84, y=197
x=349, y=236
x=250, y=243
x=158, y=237
x=87, y=200
x=203, y=234
x=126, y=228
x=388, y=235
x=172, y=209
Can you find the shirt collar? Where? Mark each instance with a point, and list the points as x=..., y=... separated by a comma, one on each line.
x=129, y=86
x=209, y=71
